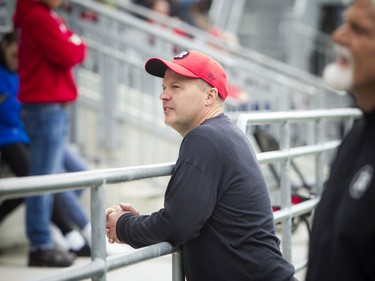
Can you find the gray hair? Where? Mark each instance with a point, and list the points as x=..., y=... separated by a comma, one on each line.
x=347, y=2
x=372, y=2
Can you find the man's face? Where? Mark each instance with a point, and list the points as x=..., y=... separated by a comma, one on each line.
x=357, y=34
x=183, y=102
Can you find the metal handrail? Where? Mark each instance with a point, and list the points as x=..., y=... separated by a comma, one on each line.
x=285, y=74
x=286, y=153
x=295, y=116
x=27, y=186
x=99, y=180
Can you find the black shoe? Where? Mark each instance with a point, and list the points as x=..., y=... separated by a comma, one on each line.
x=50, y=258
x=85, y=251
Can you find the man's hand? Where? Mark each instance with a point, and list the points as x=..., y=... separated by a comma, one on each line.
x=112, y=215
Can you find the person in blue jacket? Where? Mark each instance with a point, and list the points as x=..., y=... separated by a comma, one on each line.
x=12, y=134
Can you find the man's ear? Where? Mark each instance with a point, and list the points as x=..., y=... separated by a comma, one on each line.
x=212, y=96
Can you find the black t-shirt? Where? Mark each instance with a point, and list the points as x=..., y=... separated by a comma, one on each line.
x=342, y=244
x=217, y=207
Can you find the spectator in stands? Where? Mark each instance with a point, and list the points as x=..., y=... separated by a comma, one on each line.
x=162, y=7
x=12, y=135
x=48, y=51
x=216, y=205
x=173, y=8
x=342, y=241
x=182, y=10
x=14, y=152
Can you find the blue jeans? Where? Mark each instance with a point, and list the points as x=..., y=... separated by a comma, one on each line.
x=73, y=163
x=68, y=201
x=47, y=126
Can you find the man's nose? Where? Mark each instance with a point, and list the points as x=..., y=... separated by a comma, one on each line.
x=165, y=96
x=341, y=35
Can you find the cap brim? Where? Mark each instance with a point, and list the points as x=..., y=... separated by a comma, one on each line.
x=157, y=67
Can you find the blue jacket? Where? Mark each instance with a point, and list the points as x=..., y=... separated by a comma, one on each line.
x=11, y=128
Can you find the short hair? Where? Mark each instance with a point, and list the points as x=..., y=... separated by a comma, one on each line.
x=349, y=2
x=7, y=40
x=203, y=84
x=372, y=2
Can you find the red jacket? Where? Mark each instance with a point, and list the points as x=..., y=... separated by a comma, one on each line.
x=47, y=52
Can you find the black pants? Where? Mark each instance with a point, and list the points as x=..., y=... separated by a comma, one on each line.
x=17, y=157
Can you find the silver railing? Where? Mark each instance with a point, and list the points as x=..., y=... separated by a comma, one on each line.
x=286, y=153
x=116, y=93
x=100, y=180
x=119, y=95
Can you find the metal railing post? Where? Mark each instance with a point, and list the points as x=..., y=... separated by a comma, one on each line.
x=319, y=163
x=348, y=124
x=98, y=247
x=285, y=189
x=178, y=273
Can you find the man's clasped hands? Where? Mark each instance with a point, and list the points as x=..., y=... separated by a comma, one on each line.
x=112, y=215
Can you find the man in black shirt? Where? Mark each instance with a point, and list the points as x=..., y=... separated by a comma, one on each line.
x=342, y=243
x=216, y=204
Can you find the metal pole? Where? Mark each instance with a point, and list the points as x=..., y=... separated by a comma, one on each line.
x=286, y=226
x=319, y=163
x=178, y=273
x=98, y=248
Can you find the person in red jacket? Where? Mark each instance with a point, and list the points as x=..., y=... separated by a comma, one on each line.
x=48, y=50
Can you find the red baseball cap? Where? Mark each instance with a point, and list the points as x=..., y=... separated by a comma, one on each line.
x=192, y=64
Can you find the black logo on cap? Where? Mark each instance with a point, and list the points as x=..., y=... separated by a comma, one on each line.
x=211, y=76
x=181, y=55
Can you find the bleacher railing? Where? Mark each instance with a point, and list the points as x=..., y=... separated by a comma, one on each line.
x=321, y=145
x=261, y=81
x=100, y=180
x=117, y=91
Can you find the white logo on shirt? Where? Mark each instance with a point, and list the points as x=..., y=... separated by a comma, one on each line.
x=62, y=26
x=361, y=182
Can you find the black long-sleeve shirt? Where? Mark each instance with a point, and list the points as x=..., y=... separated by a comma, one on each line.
x=217, y=207
x=342, y=245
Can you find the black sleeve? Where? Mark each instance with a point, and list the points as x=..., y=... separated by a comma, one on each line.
x=189, y=202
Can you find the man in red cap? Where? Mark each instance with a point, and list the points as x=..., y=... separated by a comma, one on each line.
x=217, y=205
